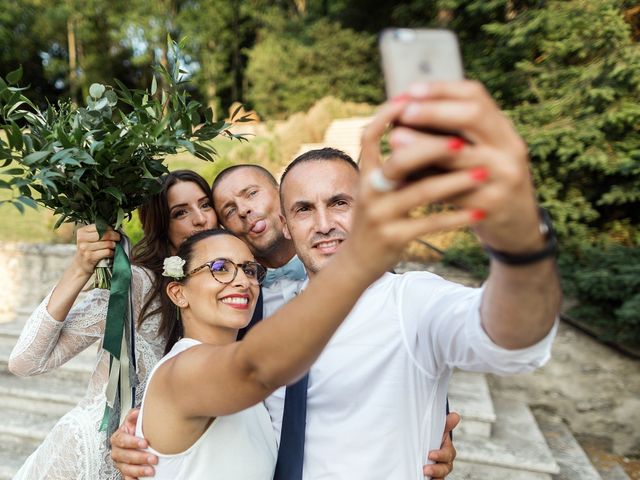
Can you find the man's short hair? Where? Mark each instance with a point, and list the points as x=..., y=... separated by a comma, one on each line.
x=263, y=171
x=319, y=154
x=327, y=153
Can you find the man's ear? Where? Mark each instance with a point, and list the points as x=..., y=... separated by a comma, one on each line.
x=176, y=295
x=285, y=229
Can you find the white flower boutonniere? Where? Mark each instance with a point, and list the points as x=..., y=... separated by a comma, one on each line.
x=173, y=267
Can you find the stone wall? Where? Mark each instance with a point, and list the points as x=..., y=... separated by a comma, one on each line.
x=28, y=272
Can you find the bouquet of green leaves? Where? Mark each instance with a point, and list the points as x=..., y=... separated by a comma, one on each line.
x=98, y=163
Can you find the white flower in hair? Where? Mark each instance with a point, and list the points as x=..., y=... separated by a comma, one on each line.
x=173, y=267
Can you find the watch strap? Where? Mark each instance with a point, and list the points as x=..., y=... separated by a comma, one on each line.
x=550, y=248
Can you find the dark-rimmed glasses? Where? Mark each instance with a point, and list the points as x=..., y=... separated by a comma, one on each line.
x=225, y=270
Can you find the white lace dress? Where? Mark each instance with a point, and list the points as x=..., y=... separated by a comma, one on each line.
x=75, y=448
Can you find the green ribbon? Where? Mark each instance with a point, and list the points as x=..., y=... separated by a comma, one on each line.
x=114, y=341
x=118, y=299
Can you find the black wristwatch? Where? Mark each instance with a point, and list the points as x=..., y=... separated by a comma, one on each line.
x=550, y=248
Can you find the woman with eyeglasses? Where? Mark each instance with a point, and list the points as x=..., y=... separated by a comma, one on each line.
x=58, y=330
x=202, y=412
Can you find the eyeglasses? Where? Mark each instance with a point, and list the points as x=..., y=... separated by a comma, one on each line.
x=225, y=270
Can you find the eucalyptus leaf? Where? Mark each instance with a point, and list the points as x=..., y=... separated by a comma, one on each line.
x=14, y=76
x=19, y=206
x=111, y=97
x=12, y=171
x=30, y=202
x=102, y=104
x=119, y=219
x=15, y=136
x=60, y=221
x=114, y=192
x=56, y=157
x=35, y=157
x=96, y=90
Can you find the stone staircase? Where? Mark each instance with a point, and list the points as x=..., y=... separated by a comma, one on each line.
x=32, y=405
x=343, y=134
x=499, y=438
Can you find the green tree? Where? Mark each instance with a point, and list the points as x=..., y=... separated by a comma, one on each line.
x=289, y=70
x=32, y=38
x=579, y=71
x=218, y=34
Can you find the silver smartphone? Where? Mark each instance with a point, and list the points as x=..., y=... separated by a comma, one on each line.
x=414, y=55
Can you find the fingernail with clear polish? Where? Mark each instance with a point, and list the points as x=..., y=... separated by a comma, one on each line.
x=401, y=138
x=403, y=97
x=412, y=111
x=419, y=90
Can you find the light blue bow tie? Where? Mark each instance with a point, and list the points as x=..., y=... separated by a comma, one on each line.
x=294, y=270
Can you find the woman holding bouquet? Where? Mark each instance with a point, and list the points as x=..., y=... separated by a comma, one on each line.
x=57, y=331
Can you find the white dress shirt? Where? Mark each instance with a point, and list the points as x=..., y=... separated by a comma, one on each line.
x=377, y=393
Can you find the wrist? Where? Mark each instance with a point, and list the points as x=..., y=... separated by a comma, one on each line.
x=361, y=271
x=79, y=270
x=544, y=246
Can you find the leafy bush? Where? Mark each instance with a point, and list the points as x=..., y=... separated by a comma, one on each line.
x=578, y=72
x=606, y=283
x=289, y=71
x=465, y=252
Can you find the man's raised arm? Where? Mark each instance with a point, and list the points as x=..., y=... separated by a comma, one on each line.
x=489, y=161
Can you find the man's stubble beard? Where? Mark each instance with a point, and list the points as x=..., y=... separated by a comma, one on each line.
x=268, y=251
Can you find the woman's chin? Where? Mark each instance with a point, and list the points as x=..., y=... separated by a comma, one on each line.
x=240, y=321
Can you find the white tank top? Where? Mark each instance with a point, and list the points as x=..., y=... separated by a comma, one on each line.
x=241, y=446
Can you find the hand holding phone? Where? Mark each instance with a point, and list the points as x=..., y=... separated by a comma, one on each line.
x=419, y=55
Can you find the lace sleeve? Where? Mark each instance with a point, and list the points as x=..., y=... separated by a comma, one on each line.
x=45, y=343
x=149, y=346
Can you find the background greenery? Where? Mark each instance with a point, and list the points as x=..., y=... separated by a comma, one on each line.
x=566, y=71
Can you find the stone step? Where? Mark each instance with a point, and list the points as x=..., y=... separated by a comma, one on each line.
x=348, y=125
x=13, y=453
x=613, y=472
x=26, y=426
x=572, y=460
x=469, y=396
x=79, y=367
x=516, y=450
x=342, y=125
x=463, y=470
x=12, y=330
x=40, y=393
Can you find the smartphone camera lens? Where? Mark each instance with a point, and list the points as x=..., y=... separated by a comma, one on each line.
x=404, y=34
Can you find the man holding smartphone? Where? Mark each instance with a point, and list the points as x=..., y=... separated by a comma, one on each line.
x=507, y=326
x=376, y=396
